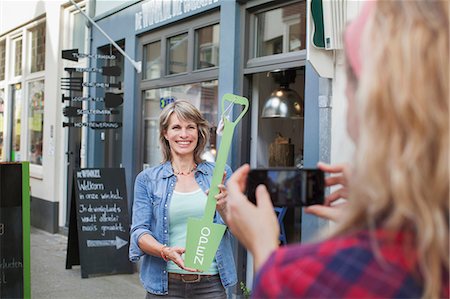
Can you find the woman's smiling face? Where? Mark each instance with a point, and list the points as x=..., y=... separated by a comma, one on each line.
x=182, y=136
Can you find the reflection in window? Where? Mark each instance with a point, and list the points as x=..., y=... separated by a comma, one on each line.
x=38, y=48
x=2, y=130
x=35, y=121
x=18, y=57
x=207, y=47
x=202, y=95
x=152, y=54
x=2, y=59
x=281, y=30
x=16, y=125
x=177, y=53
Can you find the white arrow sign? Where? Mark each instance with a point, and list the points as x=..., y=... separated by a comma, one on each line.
x=118, y=242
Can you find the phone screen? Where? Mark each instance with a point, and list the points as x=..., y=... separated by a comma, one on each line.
x=288, y=186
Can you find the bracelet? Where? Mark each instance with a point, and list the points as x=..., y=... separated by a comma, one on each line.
x=161, y=252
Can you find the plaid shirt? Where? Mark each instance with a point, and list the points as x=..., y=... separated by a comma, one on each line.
x=345, y=267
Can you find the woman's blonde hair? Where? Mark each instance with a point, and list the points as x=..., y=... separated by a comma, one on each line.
x=401, y=173
x=185, y=111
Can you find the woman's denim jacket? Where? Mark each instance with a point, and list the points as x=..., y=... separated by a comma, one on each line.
x=152, y=193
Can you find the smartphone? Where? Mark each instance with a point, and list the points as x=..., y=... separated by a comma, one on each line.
x=288, y=186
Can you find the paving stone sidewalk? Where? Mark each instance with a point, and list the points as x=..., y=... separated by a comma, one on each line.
x=50, y=279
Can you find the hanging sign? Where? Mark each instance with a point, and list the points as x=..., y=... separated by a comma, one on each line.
x=73, y=55
x=71, y=111
x=77, y=84
x=105, y=70
x=203, y=236
x=95, y=125
x=110, y=99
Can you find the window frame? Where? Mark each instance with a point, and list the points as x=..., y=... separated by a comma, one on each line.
x=192, y=75
x=24, y=33
x=266, y=63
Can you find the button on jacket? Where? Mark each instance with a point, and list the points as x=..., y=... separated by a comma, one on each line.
x=153, y=190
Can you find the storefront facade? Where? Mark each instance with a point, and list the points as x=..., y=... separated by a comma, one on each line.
x=195, y=50
x=30, y=98
x=200, y=50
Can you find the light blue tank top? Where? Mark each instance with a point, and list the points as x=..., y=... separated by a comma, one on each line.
x=184, y=205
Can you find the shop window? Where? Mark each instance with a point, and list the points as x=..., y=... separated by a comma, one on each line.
x=207, y=47
x=281, y=30
x=35, y=121
x=38, y=48
x=152, y=62
x=177, y=54
x=203, y=95
x=2, y=59
x=79, y=31
x=16, y=122
x=17, y=56
x=2, y=127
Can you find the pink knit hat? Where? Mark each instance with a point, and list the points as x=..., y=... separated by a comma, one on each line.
x=353, y=35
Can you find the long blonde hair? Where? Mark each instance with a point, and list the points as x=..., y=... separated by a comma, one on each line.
x=401, y=172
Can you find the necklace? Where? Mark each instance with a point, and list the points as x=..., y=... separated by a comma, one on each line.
x=188, y=172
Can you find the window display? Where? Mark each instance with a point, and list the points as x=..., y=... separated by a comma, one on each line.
x=35, y=121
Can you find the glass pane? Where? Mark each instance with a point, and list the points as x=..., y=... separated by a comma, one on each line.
x=2, y=107
x=38, y=48
x=202, y=95
x=2, y=59
x=152, y=61
x=281, y=30
x=16, y=118
x=35, y=121
x=79, y=31
x=18, y=57
x=177, y=53
x=207, y=47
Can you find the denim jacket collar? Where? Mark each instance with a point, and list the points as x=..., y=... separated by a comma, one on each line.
x=168, y=170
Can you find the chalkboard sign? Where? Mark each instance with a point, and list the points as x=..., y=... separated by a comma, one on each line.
x=14, y=230
x=99, y=241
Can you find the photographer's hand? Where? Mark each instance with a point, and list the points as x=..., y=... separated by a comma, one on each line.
x=331, y=209
x=256, y=227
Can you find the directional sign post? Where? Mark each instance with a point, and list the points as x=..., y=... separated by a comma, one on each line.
x=75, y=84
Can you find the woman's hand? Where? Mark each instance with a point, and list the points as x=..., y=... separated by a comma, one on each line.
x=221, y=197
x=221, y=201
x=331, y=210
x=256, y=227
x=174, y=254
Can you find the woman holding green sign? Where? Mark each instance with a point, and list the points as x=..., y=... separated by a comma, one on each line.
x=165, y=196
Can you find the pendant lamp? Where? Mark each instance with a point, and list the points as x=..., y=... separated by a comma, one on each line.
x=283, y=102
